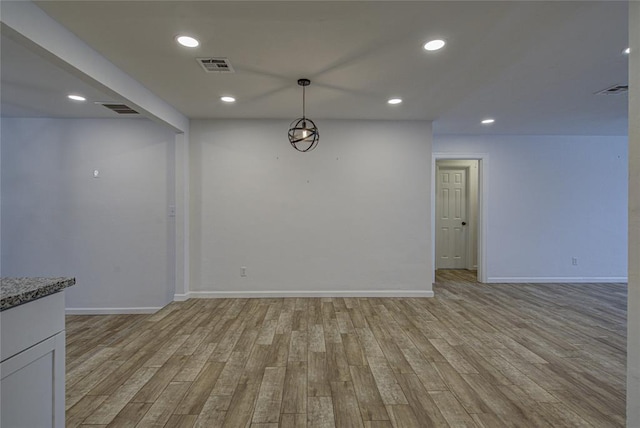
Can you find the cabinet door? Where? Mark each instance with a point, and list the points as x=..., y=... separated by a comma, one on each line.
x=32, y=386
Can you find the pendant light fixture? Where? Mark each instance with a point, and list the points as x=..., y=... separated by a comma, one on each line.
x=303, y=133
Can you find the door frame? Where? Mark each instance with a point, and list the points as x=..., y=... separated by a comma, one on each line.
x=483, y=168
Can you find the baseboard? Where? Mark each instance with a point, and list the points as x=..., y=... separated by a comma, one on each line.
x=180, y=297
x=272, y=294
x=110, y=311
x=561, y=279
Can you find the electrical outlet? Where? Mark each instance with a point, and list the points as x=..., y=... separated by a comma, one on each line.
x=243, y=271
x=574, y=261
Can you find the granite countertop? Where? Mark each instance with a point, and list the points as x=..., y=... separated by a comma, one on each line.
x=16, y=291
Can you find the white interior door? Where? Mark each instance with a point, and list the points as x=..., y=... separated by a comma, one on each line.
x=451, y=217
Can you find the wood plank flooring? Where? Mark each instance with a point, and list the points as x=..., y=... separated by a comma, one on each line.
x=476, y=355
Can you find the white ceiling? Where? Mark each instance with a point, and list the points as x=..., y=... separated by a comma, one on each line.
x=34, y=87
x=534, y=66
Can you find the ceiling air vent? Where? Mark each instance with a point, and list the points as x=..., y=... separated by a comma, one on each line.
x=120, y=108
x=215, y=65
x=616, y=89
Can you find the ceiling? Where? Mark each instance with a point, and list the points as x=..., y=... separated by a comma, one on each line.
x=34, y=87
x=533, y=66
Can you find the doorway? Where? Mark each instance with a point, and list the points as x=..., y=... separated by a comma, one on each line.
x=458, y=195
x=456, y=214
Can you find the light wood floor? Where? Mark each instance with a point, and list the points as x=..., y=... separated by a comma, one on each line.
x=526, y=355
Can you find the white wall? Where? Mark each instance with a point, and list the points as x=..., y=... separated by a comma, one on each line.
x=551, y=198
x=112, y=233
x=352, y=216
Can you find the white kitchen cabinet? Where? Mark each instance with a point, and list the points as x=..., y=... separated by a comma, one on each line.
x=32, y=368
x=31, y=391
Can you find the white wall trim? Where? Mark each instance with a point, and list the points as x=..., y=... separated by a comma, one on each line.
x=633, y=300
x=181, y=297
x=182, y=204
x=111, y=311
x=300, y=293
x=483, y=210
x=565, y=279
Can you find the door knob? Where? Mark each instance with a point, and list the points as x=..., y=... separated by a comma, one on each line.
x=464, y=223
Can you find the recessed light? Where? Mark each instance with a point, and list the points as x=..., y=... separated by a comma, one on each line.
x=627, y=51
x=395, y=101
x=434, y=45
x=187, y=41
x=488, y=121
x=228, y=99
x=75, y=97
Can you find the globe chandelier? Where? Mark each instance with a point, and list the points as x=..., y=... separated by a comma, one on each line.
x=303, y=133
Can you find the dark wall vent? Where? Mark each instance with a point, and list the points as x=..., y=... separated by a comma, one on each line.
x=120, y=108
x=614, y=90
